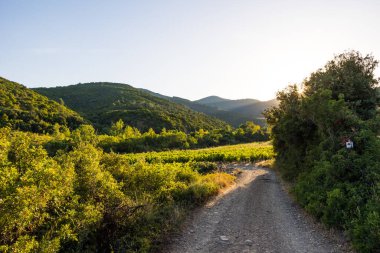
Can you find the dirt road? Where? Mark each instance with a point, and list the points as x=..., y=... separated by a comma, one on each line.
x=256, y=215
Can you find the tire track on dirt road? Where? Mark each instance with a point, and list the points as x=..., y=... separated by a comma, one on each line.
x=256, y=215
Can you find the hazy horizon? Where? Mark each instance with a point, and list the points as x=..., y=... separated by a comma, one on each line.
x=230, y=49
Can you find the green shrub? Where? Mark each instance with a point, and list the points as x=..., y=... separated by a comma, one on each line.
x=340, y=186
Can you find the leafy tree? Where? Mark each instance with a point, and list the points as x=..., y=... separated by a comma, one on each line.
x=85, y=134
x=352, y=75
x=129, y=132
x=340, y=186
x=117, y=128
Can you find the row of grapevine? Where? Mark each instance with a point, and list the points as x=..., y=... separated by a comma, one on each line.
x=244, y=152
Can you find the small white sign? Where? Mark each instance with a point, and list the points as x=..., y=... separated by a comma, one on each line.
x=349, y=144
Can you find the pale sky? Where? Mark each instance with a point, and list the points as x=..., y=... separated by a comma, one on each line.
x=191, y=49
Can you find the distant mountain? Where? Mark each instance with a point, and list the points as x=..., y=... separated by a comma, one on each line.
x=234, y=112
x=254, y=110
x=26, y=110
x=153, y=93
x=103, y=103
x=229, y=117
x=211, y=100
x=225, y=104
x=233, y=118
x=241, y=109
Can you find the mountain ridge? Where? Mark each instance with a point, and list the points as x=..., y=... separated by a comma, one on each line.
x=103, y=103
x=211, y=99
x=234, y=112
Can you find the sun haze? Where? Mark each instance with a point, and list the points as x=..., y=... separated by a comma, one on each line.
x=190, y=49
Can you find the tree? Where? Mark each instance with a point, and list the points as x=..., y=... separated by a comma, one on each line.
x=128, y=132
x=85, y=134
x=352, y=75
x=117, y=128
x=309, y=130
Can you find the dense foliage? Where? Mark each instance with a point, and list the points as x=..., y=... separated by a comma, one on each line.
x=104, y=103
x=26, y=110
x=84, y=200
x=340, y=186
x=127, y=139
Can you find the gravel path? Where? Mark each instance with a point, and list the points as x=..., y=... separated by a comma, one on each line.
x=256, y=215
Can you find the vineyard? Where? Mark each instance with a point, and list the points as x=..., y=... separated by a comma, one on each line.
x=244, y=152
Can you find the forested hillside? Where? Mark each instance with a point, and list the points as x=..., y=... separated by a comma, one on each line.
x=26, y=110
x=233, y=118
x=254, y=110
x=312, y=131
x=104, y=103
x=225, y=104
x=234, y=112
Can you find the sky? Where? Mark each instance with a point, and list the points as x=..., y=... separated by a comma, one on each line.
x=191, y=49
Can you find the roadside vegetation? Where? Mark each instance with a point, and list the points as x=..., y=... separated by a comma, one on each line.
x=82, y=199
x=64, y=188
x=310, y=128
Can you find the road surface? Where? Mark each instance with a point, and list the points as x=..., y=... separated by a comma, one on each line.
x=256, y=215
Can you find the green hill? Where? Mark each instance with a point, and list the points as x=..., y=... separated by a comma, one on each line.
x=24, y=109
x=225, y=104
x=233, y=118
x=254, y=110
x=103, y=103
x=234, y=112
x=211, y=100
x=238, y=111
